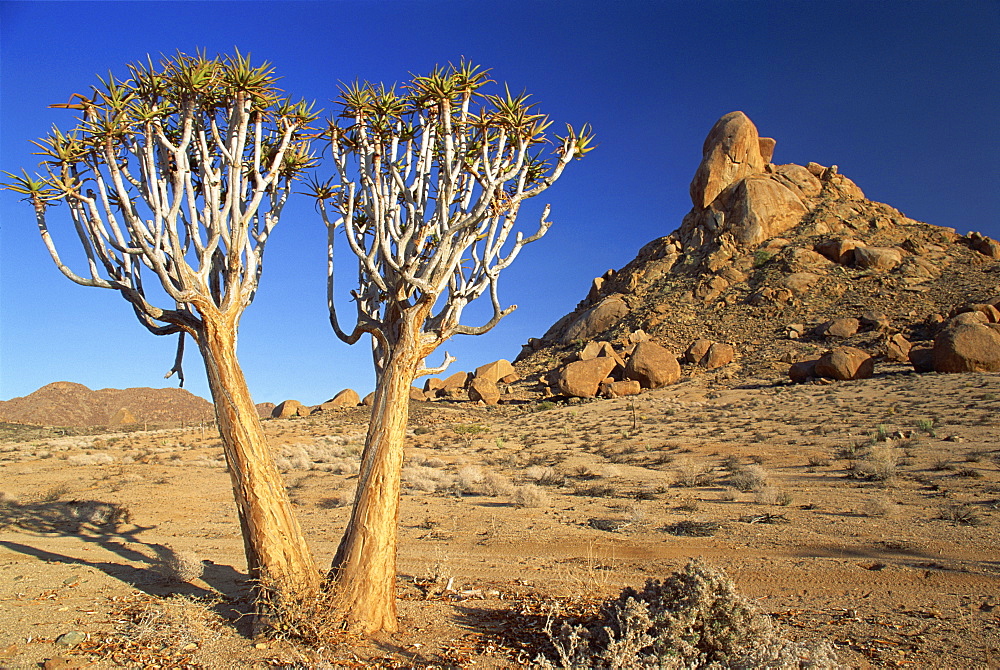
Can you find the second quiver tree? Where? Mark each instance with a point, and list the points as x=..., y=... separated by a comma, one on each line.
x=174, y=179
x=428, y=185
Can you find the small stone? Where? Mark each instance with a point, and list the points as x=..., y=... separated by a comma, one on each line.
x=71, y=639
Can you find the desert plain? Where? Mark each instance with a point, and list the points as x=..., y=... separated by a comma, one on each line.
x=863, y=512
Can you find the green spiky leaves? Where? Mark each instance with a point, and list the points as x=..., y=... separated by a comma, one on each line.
x=173, y=100
x=38, y=190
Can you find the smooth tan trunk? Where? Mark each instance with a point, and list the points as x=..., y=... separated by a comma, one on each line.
x=363, y=574
x=276, y=550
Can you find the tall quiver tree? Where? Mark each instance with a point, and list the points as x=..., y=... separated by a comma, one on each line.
x=179, y=174
x=429, y=182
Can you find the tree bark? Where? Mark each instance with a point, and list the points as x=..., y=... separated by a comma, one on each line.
x=363, y=574
x=277, y=554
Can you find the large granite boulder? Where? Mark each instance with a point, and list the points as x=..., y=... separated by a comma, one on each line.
x=346, y=398
x=495, y=371
x=967, y=347
x=484, y=389
x=758, y=208
x=287, y=409
x=730, y=152
x=582, y=379
x=597, y=319
x=845, y=363
x=652, y=366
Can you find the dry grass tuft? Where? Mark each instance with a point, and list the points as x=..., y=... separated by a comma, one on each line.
x=496, y=485
x=530, y=495
x=880, y=507
x=179, y=566
x=749, y=478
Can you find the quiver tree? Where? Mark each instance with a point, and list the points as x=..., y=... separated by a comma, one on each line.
x=428, y=184
x=174, y=179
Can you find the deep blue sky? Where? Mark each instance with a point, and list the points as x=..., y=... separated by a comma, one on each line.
x=903, y=96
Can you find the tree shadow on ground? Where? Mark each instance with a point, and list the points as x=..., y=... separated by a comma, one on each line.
x=109, y=526
x=514, y=629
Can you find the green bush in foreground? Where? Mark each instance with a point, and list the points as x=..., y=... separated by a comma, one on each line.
x=693, y=619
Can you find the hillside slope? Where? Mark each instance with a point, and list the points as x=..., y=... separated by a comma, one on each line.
x=766, y=247
x=70, y=404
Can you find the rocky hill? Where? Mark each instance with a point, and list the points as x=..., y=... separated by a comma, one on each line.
x=70, y=404
x=769, y=255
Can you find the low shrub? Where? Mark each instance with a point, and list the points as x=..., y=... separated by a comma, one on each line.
x=750, y=478
x=530, y=495
x=693, y=619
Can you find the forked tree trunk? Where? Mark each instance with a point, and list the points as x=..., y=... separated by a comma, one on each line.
x=363, y=574
x=276, y=550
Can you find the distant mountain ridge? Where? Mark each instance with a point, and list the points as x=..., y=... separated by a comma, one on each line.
x=72, y=404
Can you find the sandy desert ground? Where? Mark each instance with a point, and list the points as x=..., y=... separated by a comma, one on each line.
x=864, y=512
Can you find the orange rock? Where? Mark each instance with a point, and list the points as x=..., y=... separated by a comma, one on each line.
x=482, y=389
x=286, y=409
x=730, y=152
x=845, y=363
x=652, y=366
x=967, y=347
x=495, y=370
x=346, y=398
x=583, y=378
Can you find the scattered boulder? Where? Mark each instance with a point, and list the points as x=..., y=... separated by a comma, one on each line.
x=802, y=371
x=794, y=331
x=594, y=349
x=433, y=385
x=881, y=259
x=620, y=389
x=710, y=289
x=969, y=318
x=922, y=359
x=991, y=313
x=485, y=390
x=494, y=371
x=842, y=327
x=730, y=152
x=417, y=393
x=897, y=348
x=839, y=250
x=287, y=409
x=877, y=321
x=967, y=347
x=799, y=260
x=709, y=354
x=719, y=354
x=346, y=398
x=582, y=379
x=454, y=382
x=799, y=283
x=369, y=399
x=637, y=336
x=845, y=363
x=984, y=245
x=697, y=351
x=652, y=366
x=597, y=319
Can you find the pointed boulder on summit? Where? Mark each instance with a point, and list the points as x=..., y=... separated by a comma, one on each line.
x=731, y=152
